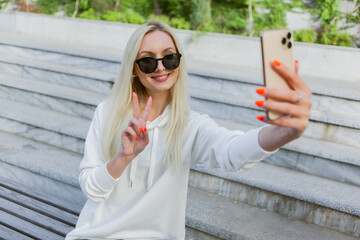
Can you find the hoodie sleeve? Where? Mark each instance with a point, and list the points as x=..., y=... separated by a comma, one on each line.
x=217, y=146
x=95, y=181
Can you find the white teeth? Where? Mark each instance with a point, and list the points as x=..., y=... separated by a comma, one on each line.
x=161, y=77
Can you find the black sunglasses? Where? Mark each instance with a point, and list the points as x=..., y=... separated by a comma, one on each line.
x=149, y=64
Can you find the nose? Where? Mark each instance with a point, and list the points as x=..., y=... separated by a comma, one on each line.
x=160, y=66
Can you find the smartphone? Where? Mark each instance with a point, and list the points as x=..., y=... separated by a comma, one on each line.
x=276, y=44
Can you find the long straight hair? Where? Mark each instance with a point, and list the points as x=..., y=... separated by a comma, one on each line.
x=119, y=104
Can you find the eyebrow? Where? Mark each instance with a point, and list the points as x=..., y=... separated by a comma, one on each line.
x=166, y=49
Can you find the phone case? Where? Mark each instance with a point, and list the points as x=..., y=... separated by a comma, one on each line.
x=276, y=44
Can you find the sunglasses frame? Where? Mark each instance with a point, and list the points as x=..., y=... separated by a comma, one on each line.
x=157, y=60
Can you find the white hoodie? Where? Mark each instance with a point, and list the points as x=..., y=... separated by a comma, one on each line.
x=148, y=200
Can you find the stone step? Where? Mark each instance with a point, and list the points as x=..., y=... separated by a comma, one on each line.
x=43, y=125
x=42, y=167
x=277, y=189
x=313, y=156
x=225, y=78
x=64, y=53
x=318, y=157
x=308, y=198
x=337, y=128
x=246, y=101
x=58, y=98
x=236, y=220
x=330, y=103
x=72, y=76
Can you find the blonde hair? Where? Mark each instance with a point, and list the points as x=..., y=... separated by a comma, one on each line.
x=119, y=105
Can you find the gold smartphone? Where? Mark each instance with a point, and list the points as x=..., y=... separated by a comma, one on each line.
x=276, y=44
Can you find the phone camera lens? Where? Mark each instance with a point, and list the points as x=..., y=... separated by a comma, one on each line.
x=283, y=40
x=289, y=35
x=289, y=44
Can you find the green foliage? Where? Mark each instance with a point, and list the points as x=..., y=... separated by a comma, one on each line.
x=231, y=21
x=69, y=6
x=48, y=6
x=3, y=3
x=89, y=14
x=143, y=7
x=270, y=15
x=325, y=11
x=111, y=16
x=336, y=38
x=230, y=16
x=131, y=16
x=200, y=18
x=102, y=6
x=355, y=16
x=180, y=23
x=305, y=35
x=162, y=18
x=177, y=8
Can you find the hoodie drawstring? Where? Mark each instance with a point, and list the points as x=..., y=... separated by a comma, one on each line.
x=132, y=172
x=152, y=158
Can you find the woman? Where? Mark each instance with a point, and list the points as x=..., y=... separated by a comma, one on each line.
x=143, y=140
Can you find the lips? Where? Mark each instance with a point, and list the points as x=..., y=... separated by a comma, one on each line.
x=161, y=78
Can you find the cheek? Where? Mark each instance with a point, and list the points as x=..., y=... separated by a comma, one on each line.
x=144, y=81
x=175, y=75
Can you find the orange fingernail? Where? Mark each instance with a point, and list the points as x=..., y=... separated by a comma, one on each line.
x=260, y=91
x=277, y=63
x=297, y=61
x=260, y=103
x=145, y=129
x=141, y=130
x=261, y=118
x=136, y=138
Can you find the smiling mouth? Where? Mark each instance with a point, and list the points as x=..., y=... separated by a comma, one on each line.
x=161, y=78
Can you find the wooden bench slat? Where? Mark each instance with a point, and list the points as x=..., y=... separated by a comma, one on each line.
x=35, y=217
x=8, y=233
x=38, y=206
x=71, y=207
x=29, y=229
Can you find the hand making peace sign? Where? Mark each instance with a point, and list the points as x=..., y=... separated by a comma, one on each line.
x=135, y=137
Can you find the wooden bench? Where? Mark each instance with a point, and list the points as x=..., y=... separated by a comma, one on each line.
x=27, y=214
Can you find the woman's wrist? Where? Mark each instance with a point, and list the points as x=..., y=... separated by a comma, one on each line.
x=117, y=165
x=121, y=157
x=273, y=137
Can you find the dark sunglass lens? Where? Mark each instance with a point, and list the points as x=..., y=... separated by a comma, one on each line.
x=171, y=61
x=147, y=65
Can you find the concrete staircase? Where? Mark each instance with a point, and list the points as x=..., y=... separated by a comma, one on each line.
x=310, y=189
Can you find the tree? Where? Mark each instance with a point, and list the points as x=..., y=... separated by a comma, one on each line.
x=157, y=9
x=76, y=8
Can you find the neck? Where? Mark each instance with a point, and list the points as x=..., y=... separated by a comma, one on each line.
x=159, y=103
